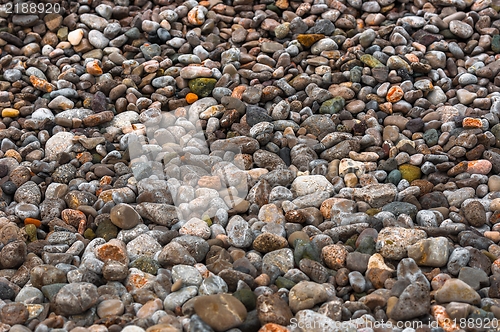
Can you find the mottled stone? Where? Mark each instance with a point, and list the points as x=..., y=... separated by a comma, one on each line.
x=220, y=311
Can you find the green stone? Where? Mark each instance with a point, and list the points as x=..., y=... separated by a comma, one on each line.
x=370, y=61
x=247, y=297
x=398, y=208
x=202, y=86
x=284, y=283
x=207, y=219
x=447, y=34
x=431, y=137
x=339, y=32
x=351, y=242
x=397, y=62
x=366, y=246
x=373, y=211
x=394, y=177
x=357, y=296
x=478, y=315
x=410, y=172
x=352, y=32
x=96, y=158
x=495, y=44
x=133, y=33
x=89, y=234
x=107, y=230
x=355, y=74
x=305, y=249
x=50, y=291
x=62, y=34
x=146, y=264
x=332, y=106
x=31, y=231
x=488, y=254
x=231, y=134
x=274, y=8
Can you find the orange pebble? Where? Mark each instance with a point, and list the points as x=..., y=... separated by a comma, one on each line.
x=238, y=91
x=272, y=327
x=412, y=57
x=33, y=221
x=41, y=84
x=395, y=94
x=106, y=179
x=191, y=98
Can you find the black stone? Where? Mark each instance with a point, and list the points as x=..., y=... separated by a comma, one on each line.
x=6, y=293
x=11, y=39
x=154, y=38
x=256, y=114
x=9, y=188
x=433, y=200
x=415, y=125
x=4, y=170
x=109, y=146
x=285, y=155
x=63, y=158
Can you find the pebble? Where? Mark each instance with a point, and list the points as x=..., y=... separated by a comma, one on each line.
x=75, y=298
x=124, y=216
x=455, y=290
x=220, y=311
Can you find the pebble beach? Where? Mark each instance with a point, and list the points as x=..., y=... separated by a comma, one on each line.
x=250, y=166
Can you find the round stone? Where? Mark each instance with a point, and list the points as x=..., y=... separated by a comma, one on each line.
x=124, y=216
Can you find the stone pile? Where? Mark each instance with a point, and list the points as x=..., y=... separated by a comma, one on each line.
x=240, y=165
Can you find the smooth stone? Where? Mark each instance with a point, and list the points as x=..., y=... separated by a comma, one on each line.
x=455, y=290
x=76, y=298
x=124, y=216
x=306, y=295
x=430, y=252
x=221, y=311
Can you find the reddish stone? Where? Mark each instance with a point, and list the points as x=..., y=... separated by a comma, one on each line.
x=481, y=166
x=395, y=94
x=469, y=123
x=73, y=217
x=41, y=84
x=97, y=119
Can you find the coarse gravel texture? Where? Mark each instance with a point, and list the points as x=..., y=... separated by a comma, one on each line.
x=250, y=165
